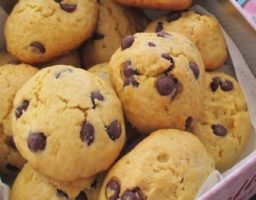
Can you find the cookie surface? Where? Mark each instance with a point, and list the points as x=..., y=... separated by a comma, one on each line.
x=159, y=78
x=66, y=131
x=32, y=185
x=167, y=165
x=51, y=28
x=6, y=58
x=101, y=70
x=204, y=31
x=225, y=125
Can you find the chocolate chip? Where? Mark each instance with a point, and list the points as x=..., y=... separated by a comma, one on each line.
x=131, y=81
x=215, y=83
x=127, y=42
x=151, y=44
x=14, y=62
x=38, y=47
x=68, y=7
x=87, y=133
x=10, y=142
x=173, y=16
x=62, y=194
x=94, y=184
x=159, y=27
x=114, y=130
x=195, y=69
x=112, y=190
x=128, y=70
x=226, y=86
x=170, y=59
x=96, y=95
x=189, y=122
x=21, y=108
x=163, y=34
x=97, y=36
x=219, y=130
x=82, y=196
x=12, y=168
x=36, y=141
x=166, y=85
x=133, y=194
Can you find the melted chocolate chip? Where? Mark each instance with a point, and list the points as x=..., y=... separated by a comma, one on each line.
x=163, y=34
x=112, y=189
x=226, y=86
x=128, y=70
x=36, y=141
x=170, y=59
x=127, y=42
x=62, y=194
x=38, y=47
x=173, y=16
x=215, y=83
x=87, y=133
x=195, y=69
x=12, y=168
x=114, y=130
x=21, y=108
x=10, y=142
x=131, y=81
x=68, y=7
x=97, y=36
x=82, y=196
x=189, y=122
x=219, y=130
x=151, y=44
x=159, y=27
x=133, y=194
x=166, y=85
x=96, y=95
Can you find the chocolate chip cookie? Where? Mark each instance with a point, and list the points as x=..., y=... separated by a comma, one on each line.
x=101, y=70
x=160, y=79
x=167, y=165
x=225, y=125
x=38, y=31
x=65, y=128
x=6, y=58
x=203, y=30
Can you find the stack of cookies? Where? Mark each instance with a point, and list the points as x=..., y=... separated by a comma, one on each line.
x=148, y=119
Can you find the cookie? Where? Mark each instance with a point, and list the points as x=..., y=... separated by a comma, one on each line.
x=167, y=165
x=6, y=58
x=114, y=23
x=159, y=78
x=101, y=70
x=66, y=130
x=204, y=31
x=32, y=185
x=51, y=28
x=158, y=4
x=225, y=125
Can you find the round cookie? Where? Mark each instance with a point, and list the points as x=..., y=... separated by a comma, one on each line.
x=159, y=78
x=66, y=131
x=32, y=185
x=204, y=31
x=101, y=70
x=167, y=165
x=158, y=4
x=114, y=23
x=38, y=31
x=6, y=58
x=225, y=125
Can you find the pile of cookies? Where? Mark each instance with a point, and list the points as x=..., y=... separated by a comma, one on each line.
x=101, y=103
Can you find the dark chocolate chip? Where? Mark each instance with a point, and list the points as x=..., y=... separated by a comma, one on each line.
x=163, y=34
x=133, y=194
x=59, y=74
x=195, y=69
x=82, y=196
x=112, y=189
x=159, y=27
x=36, y=141
x=166, y=85
x=114, y=130
x=189, y=122
x=94, y=184
x=226, y=86
x=215, y=83
x=38, y=47
x=151, y=44
x=170, y=59
x=173, y=16
x=62, y=194
x=127, y=42
x=21, y=108
x=87, y=133
x=96, y=95
x=68, y=7
x=219, y=130
x=131, y=81
x=97, y=36
x=14, y=62
x=128, y=70
x=10, y=142
x=12, y=168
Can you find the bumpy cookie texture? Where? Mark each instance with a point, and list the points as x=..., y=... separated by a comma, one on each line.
x=6, y=58
x=225, y=125
x=167, y=165
x=32, y=185
x=38, y=31
x=159, y=78
x=101, y=70
x=114, y=23
x=67, y=129
x=158, y=4
x=204, y=31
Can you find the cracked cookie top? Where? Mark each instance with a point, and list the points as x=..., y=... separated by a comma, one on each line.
x=66, y=122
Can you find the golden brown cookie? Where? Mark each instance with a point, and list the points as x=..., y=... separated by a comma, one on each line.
x=6, y=58
x=101, y=70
